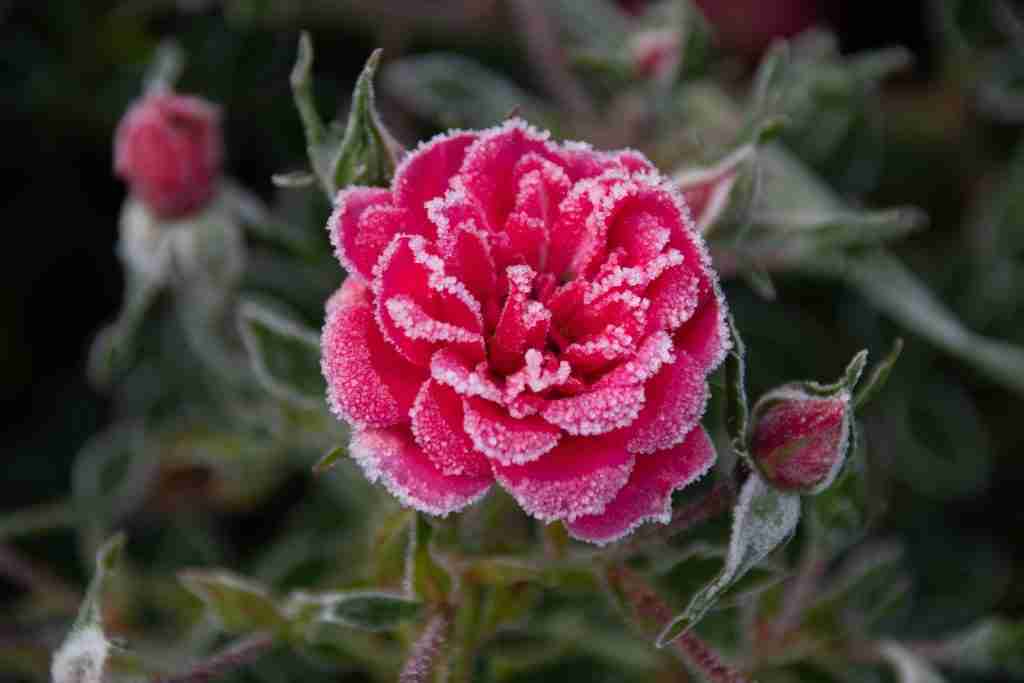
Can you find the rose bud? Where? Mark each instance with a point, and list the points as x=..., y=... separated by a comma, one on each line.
x=168, y=148
x=656, y=54
x=800, y=440
x=527, y=314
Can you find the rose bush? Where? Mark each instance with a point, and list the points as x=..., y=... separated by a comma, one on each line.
x=169, y=148
x=535, y=314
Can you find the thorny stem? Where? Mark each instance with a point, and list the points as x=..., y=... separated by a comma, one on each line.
x=241, y=653
x=648, y=605
x=426, y=651
x=547, y=57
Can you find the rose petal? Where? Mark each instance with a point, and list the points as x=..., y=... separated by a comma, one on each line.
x=506, y=439
x=361, y=226
x=424, y=174
x=420, y=308
x=647, y=496
x=675, y=401
x=437, y=418
x=454, y=371
x=523, y=323
x=597, y=412
x=392, y=456
x=368, y=383
x=578, y=477
x=705, y=336
x=487, y=172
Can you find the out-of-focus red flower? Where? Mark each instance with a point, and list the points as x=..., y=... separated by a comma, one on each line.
x=750, y=26
x=169, y=149
x=657, y=53
x=539, y=315
x=799, y=441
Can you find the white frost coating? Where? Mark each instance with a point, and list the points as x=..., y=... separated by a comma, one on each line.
x=597, y=412
x=762, y=521
x=654, y=352
x=535, y=376
x=82, y=657
x=614, y=342
x=570, y=498
x=449, y=370
x=367, y=452
x=416, y=324
x=909, y=667
x=633, y=276
x=507, y=445
x=662, y=516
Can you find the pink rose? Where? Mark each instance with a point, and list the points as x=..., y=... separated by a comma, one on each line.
x=799, y=440
x=538, y=315
x=168, y=148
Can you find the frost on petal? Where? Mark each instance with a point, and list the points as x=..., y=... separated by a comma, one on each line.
x=597, y=412
x=508, y=440
x=674, y=297
x=419, y=307
x=654, y=352
x=596, y=351
x=361, y=226
x=392, y=456
x=647, y=496
x=425, y=173
x=676, y=398
x=578, y=477
x=454, y=371
x=540, y=187
x=467, y=257
x=540, y=372
x=368, y=383
x=437, y=418
x=487, y=172
x=523, y=323
x=705, y=336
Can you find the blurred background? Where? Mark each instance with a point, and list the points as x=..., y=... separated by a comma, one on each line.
x=943, y=135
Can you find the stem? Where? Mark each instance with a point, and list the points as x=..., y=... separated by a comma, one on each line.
x=812, y=567
x=239, y=654
x=41, y=517
x=427, y=649
x=546, y=56
x=467, y=630
x=649, y=605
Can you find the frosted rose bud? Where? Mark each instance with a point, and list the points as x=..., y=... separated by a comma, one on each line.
x=535, y=315
x=800, y=440
x=168, y=148
x=657, y=54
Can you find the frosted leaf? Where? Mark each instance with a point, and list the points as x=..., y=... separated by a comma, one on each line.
x=763, y=520
x=909, y=667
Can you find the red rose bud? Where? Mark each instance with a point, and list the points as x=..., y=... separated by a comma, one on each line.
x=169, y=149
x=799, y=440
x=657, y=54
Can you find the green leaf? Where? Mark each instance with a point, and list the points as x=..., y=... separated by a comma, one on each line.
x=895, y=290
x=879, y=376
x=456, y=92
x=239, y=605
x=367, y=610
x=109, y=479
x=427, y=577
x=909, y=667
x=166, y=67
x=367, y=152
x=83, y=654
x=810, y=231
x=364, y=153
x=285, y=355
x=763, y=520
x=330, y=459
x=994, y=646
